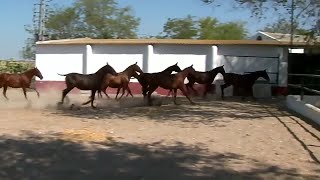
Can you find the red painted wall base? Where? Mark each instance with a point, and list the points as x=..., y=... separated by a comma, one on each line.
x=135, y=88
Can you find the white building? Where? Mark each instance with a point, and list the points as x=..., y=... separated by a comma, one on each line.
x=87, y=55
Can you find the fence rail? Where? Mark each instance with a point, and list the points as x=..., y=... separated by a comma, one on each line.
x=302, y=85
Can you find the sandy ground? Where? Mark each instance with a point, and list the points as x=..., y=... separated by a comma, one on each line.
x=125, y=139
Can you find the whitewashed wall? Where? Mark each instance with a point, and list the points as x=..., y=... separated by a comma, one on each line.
x=248, y=58
x=185, y=56
x=119, y=57
x=52, y=59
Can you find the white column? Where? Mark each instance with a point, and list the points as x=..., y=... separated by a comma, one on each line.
x=86, y=59
x=147, y=57
x=283, y=67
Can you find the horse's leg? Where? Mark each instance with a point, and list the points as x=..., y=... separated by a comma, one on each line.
x=222, y=87
x=144, y=90
x=105, y=92
x=118, y=90
x=186, y=94
x=189, y=85
x=99, y=93
x=151, y=89
x=64, y=93
x=24, y=92
x=123, y=91
x=174, y=96
x=5, y=92
x=129, y=92
x=92, y=97
x=93, y=94
x=38, y=94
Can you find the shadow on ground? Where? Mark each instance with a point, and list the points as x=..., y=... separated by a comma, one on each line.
x=205, y=111
x=48, y=157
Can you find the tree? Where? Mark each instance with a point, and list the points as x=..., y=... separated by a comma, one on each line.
x=206, y=26
x=304, y=12
x=203, y=28
x=230, y=30
x=283, y=26
x=88, y=18
x=184, y=28
x=103, y=19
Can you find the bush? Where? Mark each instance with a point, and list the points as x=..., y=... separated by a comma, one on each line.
x=15, y=66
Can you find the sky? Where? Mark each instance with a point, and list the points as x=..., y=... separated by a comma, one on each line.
x=15, y=14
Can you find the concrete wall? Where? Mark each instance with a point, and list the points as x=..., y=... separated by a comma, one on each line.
x=308, y=107
x=59, y=59
x=53, y=59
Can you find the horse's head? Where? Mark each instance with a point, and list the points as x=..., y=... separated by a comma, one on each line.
x=37, y=73
x=189, y=70
x=136, y=68
x=264, y=74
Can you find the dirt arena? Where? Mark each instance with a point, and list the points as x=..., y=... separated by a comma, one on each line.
x=214, y=139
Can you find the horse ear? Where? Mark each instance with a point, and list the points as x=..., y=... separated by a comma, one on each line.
x=191, y=65
x=176, y=63
x=136, y=62
x=107, y=63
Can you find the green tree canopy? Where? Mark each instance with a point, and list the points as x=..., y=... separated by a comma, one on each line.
x=202, y=28
x=305, y=12
x=87, y=18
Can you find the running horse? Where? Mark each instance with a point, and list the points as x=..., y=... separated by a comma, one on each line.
x=120, y=80
x=145, y=78
x=171, y=82
x=205, y=78
x=244, y=82
x=20, y=80
x=86, y=82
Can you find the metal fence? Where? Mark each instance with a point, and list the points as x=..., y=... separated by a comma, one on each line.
x=303, y=86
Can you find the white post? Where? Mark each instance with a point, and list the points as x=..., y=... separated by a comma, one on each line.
x=283, y=68
x=86, y=58
x=147, y=57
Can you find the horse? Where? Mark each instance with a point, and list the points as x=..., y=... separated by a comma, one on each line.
x=121, y=80
x=145, y=78
x=20, y=80
x=203, y=78
x=86, y=82
x=244, y=82
x=171, y=81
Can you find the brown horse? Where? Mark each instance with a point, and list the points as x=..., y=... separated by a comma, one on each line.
x=86, y=82
x=145, y=78
x=205, y=78
x=171, y=81
x=244, y=82
x=120, y=80
x=21, y=80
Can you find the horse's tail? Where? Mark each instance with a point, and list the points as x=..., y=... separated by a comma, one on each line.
x=62, y=74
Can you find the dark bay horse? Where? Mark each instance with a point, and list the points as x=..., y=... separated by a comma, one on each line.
x=205, y=78
x=86, y=82
x=145, y=78
x=171, y=81
x=120, y=80
x=244, y=82
x=20, y=80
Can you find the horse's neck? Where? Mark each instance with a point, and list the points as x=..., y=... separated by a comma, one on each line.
x=129, y=72
x=184, y=74
x=169, y=70
x=213, y=72
x=254, y=76
x=29, y=74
